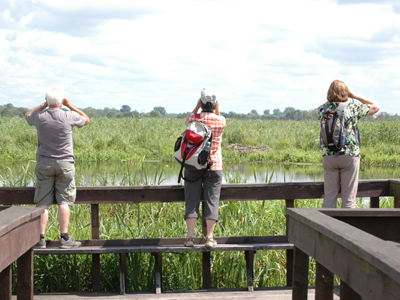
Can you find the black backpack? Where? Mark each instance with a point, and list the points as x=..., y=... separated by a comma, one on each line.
x=332, y=134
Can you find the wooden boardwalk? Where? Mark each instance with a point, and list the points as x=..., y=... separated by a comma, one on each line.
x=270, y=294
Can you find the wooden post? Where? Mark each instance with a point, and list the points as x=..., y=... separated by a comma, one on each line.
x=122, y=273
x=206, y=270
x=158, y=267
x=25, y=275
x=300, y=275
x=396, y=202
x=289, y=252
x=95, y=221
x=95, y=257
x=323, y=283
x=6, y=283
x=249, y=255
x=374, y=202
x=347, y=293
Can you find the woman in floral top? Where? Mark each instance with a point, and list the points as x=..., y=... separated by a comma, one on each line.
x=210, y=181
x=341, y=167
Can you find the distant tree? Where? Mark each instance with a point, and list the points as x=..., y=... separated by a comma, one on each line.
x=135, y=114
x=161, y=110
x=182, y=115
x=10, y=111
x=277, y=112
x=111, y=114
x=13, y=112
x=127, y=114
x=384, y=116
x=91, y=113
x=254, y=112
x=298, y=115
x=100, y=113
x=288, y=109
x=155, y=114
x=266, y=112
x=125, y=108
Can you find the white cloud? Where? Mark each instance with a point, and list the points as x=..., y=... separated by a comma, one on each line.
x=257, y=54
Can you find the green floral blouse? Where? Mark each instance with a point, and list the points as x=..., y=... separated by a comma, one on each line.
x=352, y=113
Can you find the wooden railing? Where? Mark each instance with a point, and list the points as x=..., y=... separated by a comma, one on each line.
x=361, y=247
x=229, y=192
x=19, y=232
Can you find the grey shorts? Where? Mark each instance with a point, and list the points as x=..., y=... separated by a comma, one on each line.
x=210, y=184
x=55, y=183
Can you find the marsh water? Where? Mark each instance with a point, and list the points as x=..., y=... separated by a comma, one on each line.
x=154, y=173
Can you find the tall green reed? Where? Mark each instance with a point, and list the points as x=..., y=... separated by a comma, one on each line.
x=153, y=138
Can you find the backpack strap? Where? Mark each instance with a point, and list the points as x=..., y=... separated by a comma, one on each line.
x=181, y=176
x=342, y=106
x=183, y=162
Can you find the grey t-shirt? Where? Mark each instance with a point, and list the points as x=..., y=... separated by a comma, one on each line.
x=54, y=131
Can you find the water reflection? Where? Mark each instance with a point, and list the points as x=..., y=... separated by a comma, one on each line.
x=145, y=173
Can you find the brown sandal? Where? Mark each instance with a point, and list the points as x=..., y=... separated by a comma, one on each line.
x=189, y=242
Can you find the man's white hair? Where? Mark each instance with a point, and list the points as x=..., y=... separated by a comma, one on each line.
x=55, y=96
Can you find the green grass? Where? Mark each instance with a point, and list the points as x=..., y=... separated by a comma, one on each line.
x=153, y=139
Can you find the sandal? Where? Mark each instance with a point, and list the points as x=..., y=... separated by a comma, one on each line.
x=189, y=242
x=210, y=242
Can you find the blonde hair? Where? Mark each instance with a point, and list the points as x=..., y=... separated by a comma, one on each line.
x=338, y=92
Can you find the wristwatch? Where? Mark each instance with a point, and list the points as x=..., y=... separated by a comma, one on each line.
x=42, y=105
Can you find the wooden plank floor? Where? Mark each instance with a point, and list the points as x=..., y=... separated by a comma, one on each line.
x=271, y=294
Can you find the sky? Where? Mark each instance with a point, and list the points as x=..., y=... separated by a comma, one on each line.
x=256, y=54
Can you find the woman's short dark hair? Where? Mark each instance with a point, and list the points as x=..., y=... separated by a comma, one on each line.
x=208, y=107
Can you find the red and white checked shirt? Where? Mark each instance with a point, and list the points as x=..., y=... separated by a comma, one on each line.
x=217, y=125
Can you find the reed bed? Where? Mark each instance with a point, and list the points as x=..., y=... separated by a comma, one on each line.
x=153, y=139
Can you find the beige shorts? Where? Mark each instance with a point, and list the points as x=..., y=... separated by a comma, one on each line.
x=55, y=183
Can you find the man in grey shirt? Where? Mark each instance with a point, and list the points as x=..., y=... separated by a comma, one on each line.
x=55, y=169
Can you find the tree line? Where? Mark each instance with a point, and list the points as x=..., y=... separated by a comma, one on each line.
x=289, y=113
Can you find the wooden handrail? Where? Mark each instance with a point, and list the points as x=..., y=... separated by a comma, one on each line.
x=175, y=193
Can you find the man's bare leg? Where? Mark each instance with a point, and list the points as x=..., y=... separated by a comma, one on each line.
x=44, y=219
x=63, y=217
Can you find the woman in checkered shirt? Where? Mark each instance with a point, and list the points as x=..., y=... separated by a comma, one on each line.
x=210, y=182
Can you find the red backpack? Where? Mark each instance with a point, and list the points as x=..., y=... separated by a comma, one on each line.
x=192, y=149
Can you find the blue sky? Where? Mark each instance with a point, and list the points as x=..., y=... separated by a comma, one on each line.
x=258, y=54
